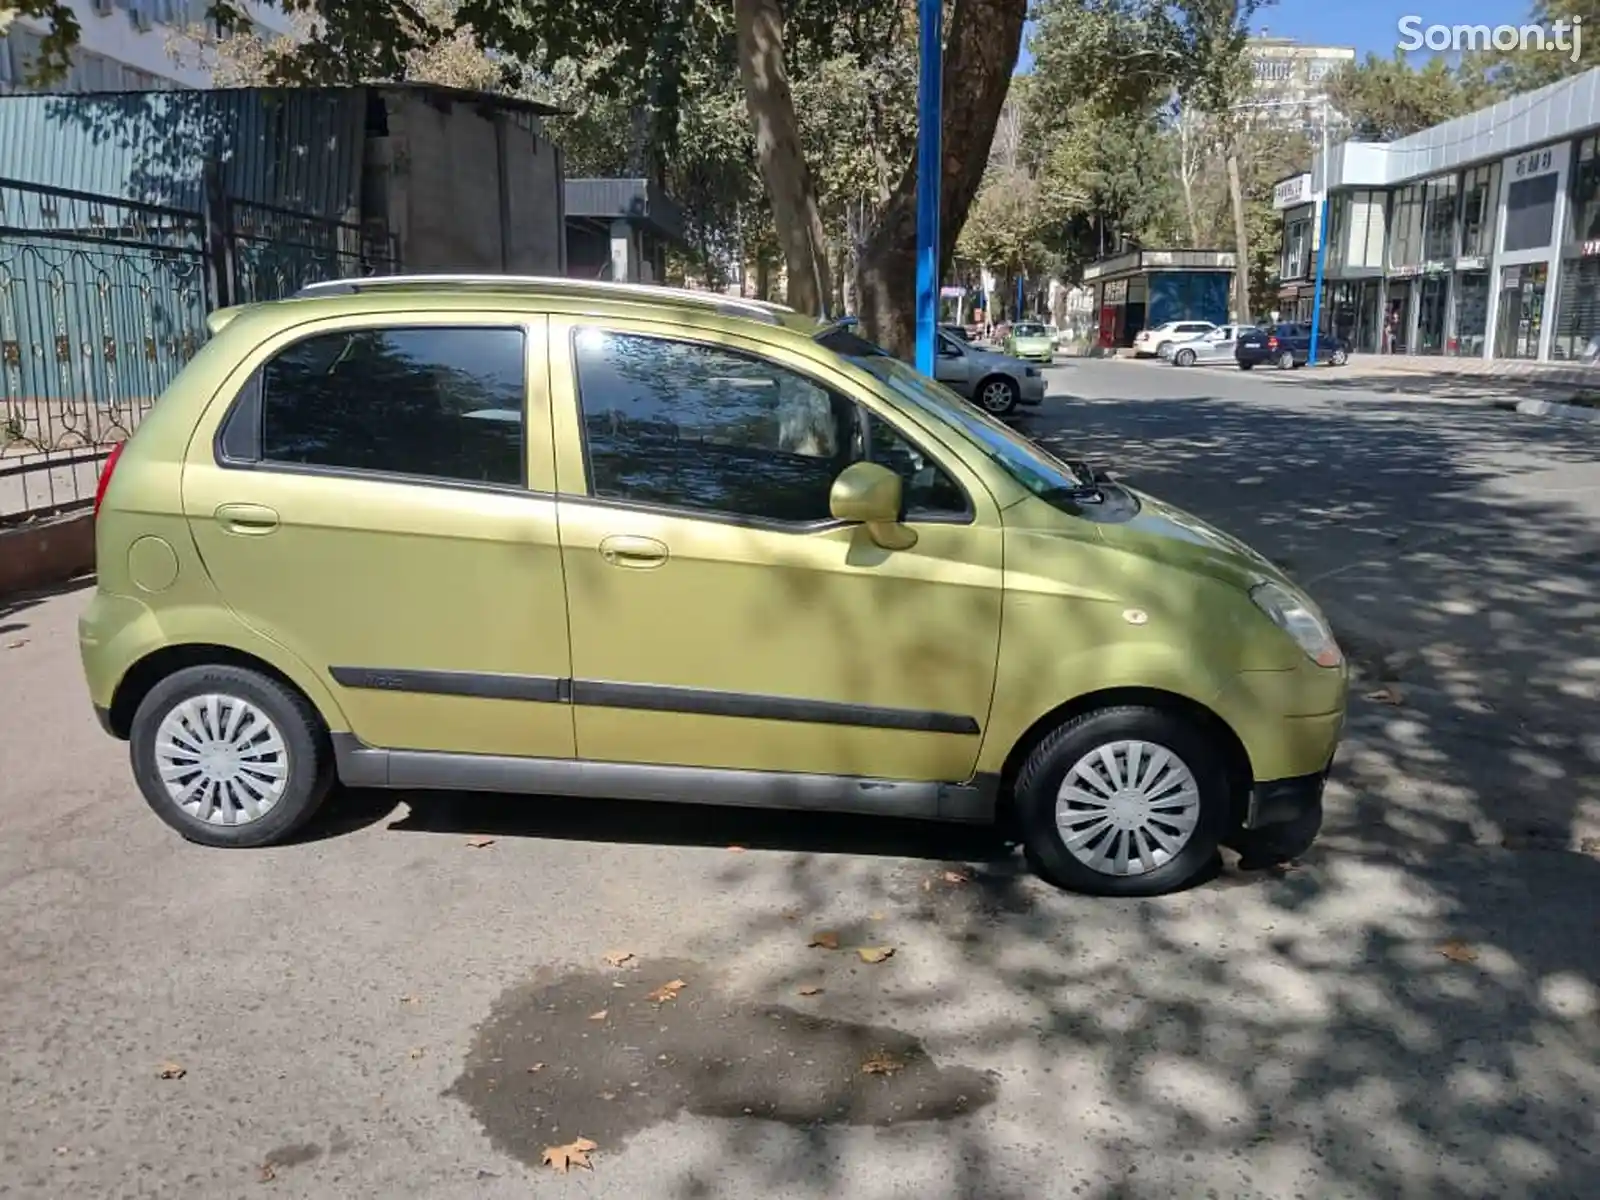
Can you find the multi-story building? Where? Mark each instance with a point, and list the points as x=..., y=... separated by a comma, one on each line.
x=1290, y=81
x=1479, y=237
x=126, y=45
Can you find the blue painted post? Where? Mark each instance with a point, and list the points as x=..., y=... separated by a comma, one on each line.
x=930, y=169
x=1019, y=297
x=1322, y=260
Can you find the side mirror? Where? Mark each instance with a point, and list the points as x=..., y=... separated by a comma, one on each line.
x=870, y=494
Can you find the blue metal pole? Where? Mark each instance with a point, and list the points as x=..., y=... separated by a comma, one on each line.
x=1019, y=297
x=930, y=169
x=1322, y=262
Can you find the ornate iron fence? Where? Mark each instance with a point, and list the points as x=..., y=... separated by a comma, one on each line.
x=276, y=252
x=102, y=301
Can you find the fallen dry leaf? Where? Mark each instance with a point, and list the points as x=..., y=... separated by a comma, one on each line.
x=417, y=1052
x=17, y=645
x=811, y=989
x=617, y=957
x=171, y=1070
x=267, y=1173
x=956, y=877
x=875, y=916
x=599, y=1016
x=408, y=998
x=608, y=1095
x=735, y=849
x=573, y=1154
x=535, y=1069
x=927, y=885
x=1385, y=695
x=478, y=843
x=826, y=939
x=667, y=991
x=1457, y=951
x=881, y=1063
x=875, y=954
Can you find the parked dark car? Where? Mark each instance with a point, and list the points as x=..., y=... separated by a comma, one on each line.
x=1287, y=345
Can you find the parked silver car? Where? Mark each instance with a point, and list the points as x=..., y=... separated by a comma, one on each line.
x=1215, y=346
x=996, y=383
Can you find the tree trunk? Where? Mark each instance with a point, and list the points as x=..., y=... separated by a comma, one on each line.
x=979, y=57
x=783, y=165
x=1241, y=270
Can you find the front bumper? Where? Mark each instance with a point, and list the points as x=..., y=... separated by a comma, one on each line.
x=1286, y=801
x=1032, y=390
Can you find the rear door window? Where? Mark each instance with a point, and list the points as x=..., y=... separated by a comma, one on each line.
x=443, y=403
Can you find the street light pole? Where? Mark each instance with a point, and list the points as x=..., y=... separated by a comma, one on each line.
x=1322, y=242
x=930, y=170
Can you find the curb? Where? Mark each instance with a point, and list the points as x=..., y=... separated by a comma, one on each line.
x=1550, y=408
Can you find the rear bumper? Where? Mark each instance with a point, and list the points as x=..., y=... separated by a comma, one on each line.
x=1286, y=801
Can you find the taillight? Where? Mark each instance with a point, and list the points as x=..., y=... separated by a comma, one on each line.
x=1272, y=344
x=105, y=475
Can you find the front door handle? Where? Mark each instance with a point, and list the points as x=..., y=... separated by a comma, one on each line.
x=250, y=520
x=627, y=550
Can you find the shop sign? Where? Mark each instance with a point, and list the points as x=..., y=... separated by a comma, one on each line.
x=1292, y=192
x=1535, y=162
x=1409, y=271
x=1116, y=292
x=1512, y=278
x=1479, y=262
x=1591, y=247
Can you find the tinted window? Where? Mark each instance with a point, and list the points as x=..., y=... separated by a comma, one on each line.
x=1530, y=213
x=437, y=403
x=707, y=429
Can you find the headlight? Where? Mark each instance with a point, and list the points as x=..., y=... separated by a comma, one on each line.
x=1299, y=618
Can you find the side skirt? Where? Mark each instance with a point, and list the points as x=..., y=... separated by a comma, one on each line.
x=364, y=766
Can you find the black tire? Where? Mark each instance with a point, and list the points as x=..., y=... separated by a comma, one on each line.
x=1286, y=361
x=1245, y=366
x=994, y=382
x=1041, y=777
x=1184, y=358
x=309, y=760
x=1340, y=357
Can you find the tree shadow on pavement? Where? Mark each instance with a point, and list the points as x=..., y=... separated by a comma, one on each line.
x=1413, y=1009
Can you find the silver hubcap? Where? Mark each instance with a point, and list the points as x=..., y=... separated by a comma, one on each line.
x=997, y=397
x=222, y=759
x=1127, y=808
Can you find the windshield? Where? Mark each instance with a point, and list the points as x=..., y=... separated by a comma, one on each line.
x=1014, y=454
x=1027, y=330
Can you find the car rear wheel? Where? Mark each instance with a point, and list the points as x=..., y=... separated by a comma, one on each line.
x=998, y=395
x=1184, y=358
x=1124, y=801
x=1286, y=361
x=229, y=756
x=1340, y=357
x=1245, y=366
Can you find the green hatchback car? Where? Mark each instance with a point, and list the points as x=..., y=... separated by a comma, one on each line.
x=586, y=540
x=1031, y=342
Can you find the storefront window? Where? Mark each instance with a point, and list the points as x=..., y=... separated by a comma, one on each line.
x=1472, y=313
x=1432, y=294
x=1583, y=223
x=1577, y=330
x=1338, y=225
x=1405, y=239
x=1530, y=212
x=1439, y=220
x=1397, y=317
x=1480, y=192
x=1521, y=314
x=1296, y=249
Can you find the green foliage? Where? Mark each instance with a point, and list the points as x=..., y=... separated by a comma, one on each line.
x=1387, y=98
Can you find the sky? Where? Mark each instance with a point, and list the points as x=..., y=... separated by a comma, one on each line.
x=1369, y=25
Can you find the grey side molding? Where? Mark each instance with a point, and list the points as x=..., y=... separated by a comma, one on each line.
x=361, y=765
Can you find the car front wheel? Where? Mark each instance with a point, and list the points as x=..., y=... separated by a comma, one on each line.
x=998, y=395
x=229, y=756
x=1184, y=358
x=1124, y=801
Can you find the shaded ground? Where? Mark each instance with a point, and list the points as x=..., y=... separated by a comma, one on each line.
x=1414, y=1011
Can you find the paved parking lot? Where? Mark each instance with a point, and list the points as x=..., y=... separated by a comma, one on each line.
x=387, y=1009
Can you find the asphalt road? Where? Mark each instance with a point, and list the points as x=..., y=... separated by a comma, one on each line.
x=386, y=1009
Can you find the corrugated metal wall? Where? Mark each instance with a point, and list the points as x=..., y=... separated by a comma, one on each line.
x=295, y=149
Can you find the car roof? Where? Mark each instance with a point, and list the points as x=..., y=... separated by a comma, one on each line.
x=382, y=293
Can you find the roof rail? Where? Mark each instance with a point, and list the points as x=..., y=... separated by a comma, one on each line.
x=761, y=310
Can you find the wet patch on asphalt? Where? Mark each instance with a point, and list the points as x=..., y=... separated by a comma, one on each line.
x=546, y=1067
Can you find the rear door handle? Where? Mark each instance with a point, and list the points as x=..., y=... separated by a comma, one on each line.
x=627, y=550
x=250, y=520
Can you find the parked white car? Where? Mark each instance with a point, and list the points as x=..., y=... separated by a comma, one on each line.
x=996, y=383
x=1148, y=342
x=1215, y=346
